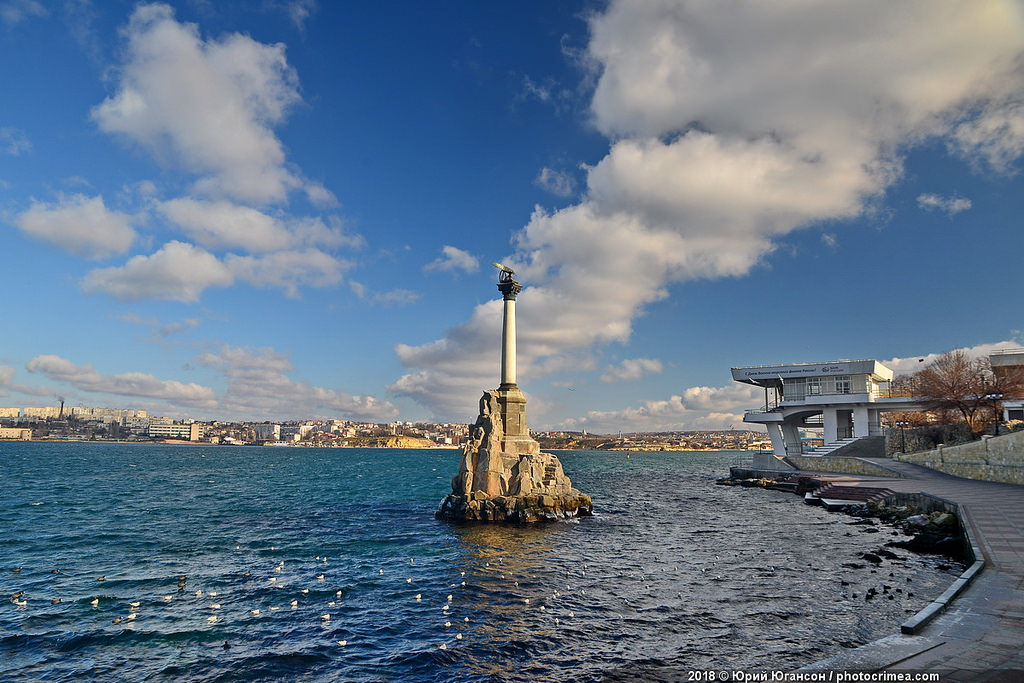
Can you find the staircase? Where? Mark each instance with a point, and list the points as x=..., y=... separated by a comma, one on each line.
x=828, y=448
x=834, y=497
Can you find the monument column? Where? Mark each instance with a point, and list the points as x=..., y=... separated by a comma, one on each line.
x=509, y=289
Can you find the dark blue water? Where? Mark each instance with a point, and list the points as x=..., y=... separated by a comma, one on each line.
x=672, y=573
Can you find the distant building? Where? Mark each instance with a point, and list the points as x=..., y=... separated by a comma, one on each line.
x=16, y=433
x=10, y=412
x=844, y=399
x=190, y=432
x=268, y=432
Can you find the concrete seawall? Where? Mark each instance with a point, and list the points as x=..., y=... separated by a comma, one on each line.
x=997, y=458
x=976, y=627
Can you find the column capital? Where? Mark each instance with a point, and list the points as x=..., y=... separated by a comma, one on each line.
x=509, y=289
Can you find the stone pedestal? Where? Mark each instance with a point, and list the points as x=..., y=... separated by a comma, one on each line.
x=503, y=475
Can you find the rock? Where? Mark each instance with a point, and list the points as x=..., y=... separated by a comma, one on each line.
x=918, y=520
x=871, y=557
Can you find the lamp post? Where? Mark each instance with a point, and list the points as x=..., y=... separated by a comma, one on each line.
x=903, y=436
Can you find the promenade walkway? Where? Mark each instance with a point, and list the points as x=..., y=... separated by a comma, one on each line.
x=980, y=636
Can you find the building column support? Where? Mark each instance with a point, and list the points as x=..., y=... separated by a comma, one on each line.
x=830, y=420
x=778, y=440
x=860, y=421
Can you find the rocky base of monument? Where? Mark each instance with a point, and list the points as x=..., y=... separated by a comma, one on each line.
x=480, y=507
x=503, y=475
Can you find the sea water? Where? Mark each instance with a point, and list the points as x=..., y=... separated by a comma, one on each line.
x=328, y=565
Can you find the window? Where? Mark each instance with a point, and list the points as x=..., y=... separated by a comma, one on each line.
x=842, y=386
x=814, y=387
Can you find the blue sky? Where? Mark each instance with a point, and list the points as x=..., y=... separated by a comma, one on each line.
x=288, y=209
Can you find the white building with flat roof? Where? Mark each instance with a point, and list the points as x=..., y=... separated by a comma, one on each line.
x=843, y=398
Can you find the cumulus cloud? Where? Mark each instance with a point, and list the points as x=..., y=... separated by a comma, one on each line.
x=137, y=384
x=730, y=126
x=632, y=369
x=948, y=205
x=259, y=385
x=206, y=105
x=454, y=259
x=224, y=224
x=911, y=364
x=79, y=225
x=6, y=376
x=176, y=272
x=696, y=408
x=14, y=141
x=556, y=182
x=288, y=270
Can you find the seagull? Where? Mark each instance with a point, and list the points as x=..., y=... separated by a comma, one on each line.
x=254, y=611
x=443, y=646
x=325, y=617
x=408, y=580
x=305, y=591
x=381, y=571
x=134, y=605
x=447, y=624
x=199, y=594
x=458, y=636
x=212, y=594
x=343, y=643
x=132, y=616
x=338, y=594
x=294, y=603
x=211, y=620
x=167, y=598
x=449, y=598
x=94, y=602
x=418, y=597
x=321, y=577
x=215, y=605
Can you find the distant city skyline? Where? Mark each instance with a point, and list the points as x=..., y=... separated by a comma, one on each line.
x=286, y=210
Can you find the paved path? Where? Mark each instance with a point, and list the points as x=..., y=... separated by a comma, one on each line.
x=980, y=636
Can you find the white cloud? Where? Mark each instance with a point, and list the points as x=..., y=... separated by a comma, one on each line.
x=556, y=182
x=215, y=224
x=14, y=141
x=453, y=259
x=177, y=272
x=949, y=205
x=259, y=385
x=695, y=408
x=288, y=270
x=6, y=376
x=137, y=384
x=206, y=105
x=391, y=297
x=632, y=369
x=220, y=223
x=911, y=364
x=15, y=11
x=731, y=125
x=80, y=225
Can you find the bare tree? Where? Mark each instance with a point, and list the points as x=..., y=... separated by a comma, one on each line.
x=958, y=384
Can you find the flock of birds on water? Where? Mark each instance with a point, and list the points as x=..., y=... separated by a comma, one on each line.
x=215, y=600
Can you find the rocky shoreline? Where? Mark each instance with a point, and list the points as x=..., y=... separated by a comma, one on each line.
x=931, y=532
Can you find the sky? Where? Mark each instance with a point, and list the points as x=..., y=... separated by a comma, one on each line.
x=287, y=209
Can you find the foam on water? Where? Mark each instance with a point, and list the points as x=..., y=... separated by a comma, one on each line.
x=672, y=573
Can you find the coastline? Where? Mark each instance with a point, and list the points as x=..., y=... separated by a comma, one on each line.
x=975, y=626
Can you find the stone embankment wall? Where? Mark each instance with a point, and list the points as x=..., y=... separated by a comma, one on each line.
x=996, y=458
x=840, y=465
